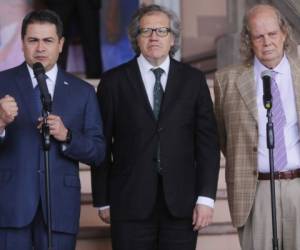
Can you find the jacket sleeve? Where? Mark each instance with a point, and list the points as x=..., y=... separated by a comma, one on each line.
x=218, y=104
x=207, y=145
x=88, y=144
x=100, y=175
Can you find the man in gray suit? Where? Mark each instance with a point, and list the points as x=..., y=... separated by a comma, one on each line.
x=265, y=42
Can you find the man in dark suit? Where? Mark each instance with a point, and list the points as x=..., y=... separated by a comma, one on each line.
x=160, y=174
x=87, y=17
x=76, y=135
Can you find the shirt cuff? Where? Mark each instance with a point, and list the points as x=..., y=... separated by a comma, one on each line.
x=2, y=135
x=64, y=146
x=206, y=201
x=103, y=208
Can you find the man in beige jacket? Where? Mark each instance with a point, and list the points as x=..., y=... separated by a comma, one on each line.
x=241, y=116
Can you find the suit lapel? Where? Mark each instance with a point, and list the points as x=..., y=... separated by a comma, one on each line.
x=295, y=71
x=171, y=92
x=247, y=89
x=172, y=88
x=136, y=81
x=24, y=84
x=60, y=93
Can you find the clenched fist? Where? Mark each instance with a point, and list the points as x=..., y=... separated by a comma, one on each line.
x=8, y=111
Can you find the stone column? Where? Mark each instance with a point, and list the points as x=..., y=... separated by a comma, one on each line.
x=291, y=10
x=173, y=5
x=228, y=45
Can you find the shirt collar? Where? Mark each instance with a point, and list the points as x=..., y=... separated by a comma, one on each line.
x=51, y=74
x=147, y=66
x=281, y=68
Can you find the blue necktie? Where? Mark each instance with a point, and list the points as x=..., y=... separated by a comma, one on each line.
x=37, y=98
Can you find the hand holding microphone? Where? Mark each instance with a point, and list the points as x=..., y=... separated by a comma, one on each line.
x=40, y=75
x=54, y=123
x=56, y=127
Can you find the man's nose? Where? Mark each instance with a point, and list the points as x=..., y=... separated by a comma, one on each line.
x=40, y=46
x=267, y=40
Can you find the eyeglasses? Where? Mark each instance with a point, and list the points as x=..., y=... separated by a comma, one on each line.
x=161, y=31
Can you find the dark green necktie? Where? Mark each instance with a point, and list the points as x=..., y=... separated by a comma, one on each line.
x=157, y=91
x=157, y=98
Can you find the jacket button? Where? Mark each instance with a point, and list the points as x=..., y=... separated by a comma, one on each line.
x=254, y=149
x=160, y=129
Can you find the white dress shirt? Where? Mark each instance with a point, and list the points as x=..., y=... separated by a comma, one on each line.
x=291, y=129
x=51, y=79
x=148, y=75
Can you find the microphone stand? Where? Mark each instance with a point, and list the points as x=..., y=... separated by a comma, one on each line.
x=270, y=145
x=46, y=147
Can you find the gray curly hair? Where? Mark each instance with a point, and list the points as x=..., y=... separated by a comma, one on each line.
x=245, y=46
x=134, y=26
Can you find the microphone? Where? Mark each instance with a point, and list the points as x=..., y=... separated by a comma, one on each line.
x=266, y=77
x=39, y=72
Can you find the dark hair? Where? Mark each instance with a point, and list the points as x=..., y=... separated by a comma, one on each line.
x=245, y=46
x=42, y=16
x=134, y=26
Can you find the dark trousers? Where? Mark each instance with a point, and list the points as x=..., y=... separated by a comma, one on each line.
x=34, y=237
x=161, y=231
x=87, y=17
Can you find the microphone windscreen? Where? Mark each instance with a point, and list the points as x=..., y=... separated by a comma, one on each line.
x=38, y=69
x=266, y=73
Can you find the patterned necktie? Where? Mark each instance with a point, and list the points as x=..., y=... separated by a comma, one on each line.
x=279, y=120
x=157, y=98
x=157, y=91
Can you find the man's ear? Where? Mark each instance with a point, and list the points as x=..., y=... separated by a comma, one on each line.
x=61, y=44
